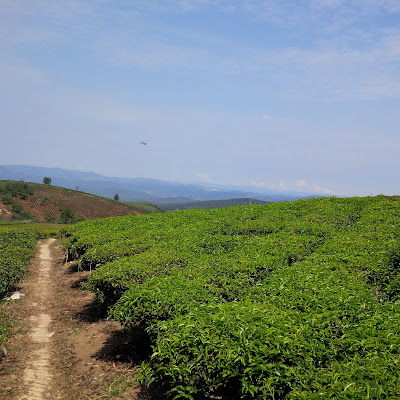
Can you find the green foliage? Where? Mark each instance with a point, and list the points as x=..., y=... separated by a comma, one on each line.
x=15, y=189
x=142, y=208
x=296, y=300
x=17, y=208
x=17, y=248
x=209, y=204
x=118, y=387
x=47, y=180
x=46, y=229
x=7, y=199
x=67, y=216
x=23, y=216
x=48, y=217
x=111, y=251
x=116, y=197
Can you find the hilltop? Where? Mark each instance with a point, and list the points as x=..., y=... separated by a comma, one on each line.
x=39, y=202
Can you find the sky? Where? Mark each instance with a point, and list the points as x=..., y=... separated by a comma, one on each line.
x=286, y=95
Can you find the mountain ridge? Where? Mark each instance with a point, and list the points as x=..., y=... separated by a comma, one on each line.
x=141, y=189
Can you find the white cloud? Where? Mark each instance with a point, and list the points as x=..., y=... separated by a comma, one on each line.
x=282, y=186
x=352, y=62
x=322, y=189
x=267, y=117
x=258, y=184
x=328, y=72
x=301, y=185
x=204, y=177
x=325, y=70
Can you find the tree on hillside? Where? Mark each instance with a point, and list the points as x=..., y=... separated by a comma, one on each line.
x=116, y=197
x=47, y=180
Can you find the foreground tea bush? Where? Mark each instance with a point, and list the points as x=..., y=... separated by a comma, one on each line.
x=289, y=300
x=17, y=248
x=248, y=350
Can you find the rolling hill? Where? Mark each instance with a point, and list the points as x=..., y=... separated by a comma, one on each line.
x=39, y=202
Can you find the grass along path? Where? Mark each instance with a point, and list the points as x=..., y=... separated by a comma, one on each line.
x=64, y=348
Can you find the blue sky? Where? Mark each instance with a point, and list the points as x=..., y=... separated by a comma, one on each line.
x=274, y=94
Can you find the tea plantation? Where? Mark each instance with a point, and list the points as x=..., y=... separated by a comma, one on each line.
x=17, y=248
x=296, y=300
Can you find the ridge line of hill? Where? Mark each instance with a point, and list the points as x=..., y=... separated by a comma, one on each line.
x=142, y=189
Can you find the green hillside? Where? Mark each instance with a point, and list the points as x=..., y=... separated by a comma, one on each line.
x=295, y=300
x=39, y=202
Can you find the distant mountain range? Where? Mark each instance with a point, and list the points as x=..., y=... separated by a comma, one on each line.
x=141, y=189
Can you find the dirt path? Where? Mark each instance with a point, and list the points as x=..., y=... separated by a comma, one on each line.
x=37, y=375
x=64, y=347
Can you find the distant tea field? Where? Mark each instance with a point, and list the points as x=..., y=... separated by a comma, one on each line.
x=296, y=300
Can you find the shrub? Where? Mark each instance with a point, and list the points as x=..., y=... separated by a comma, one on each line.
x=67, y=216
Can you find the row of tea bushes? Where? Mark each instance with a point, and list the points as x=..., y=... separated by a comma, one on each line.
x=17, y=248
x=289, y=300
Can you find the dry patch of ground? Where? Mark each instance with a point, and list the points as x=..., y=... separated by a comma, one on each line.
x=64, y=347
x=47, y=203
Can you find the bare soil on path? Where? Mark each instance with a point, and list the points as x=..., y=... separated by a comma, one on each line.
x=64, y=347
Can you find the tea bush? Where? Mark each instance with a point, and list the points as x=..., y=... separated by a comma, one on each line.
x=294, y=300
x=17, y=248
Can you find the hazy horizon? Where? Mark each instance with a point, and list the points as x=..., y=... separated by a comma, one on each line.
x=262, y=94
